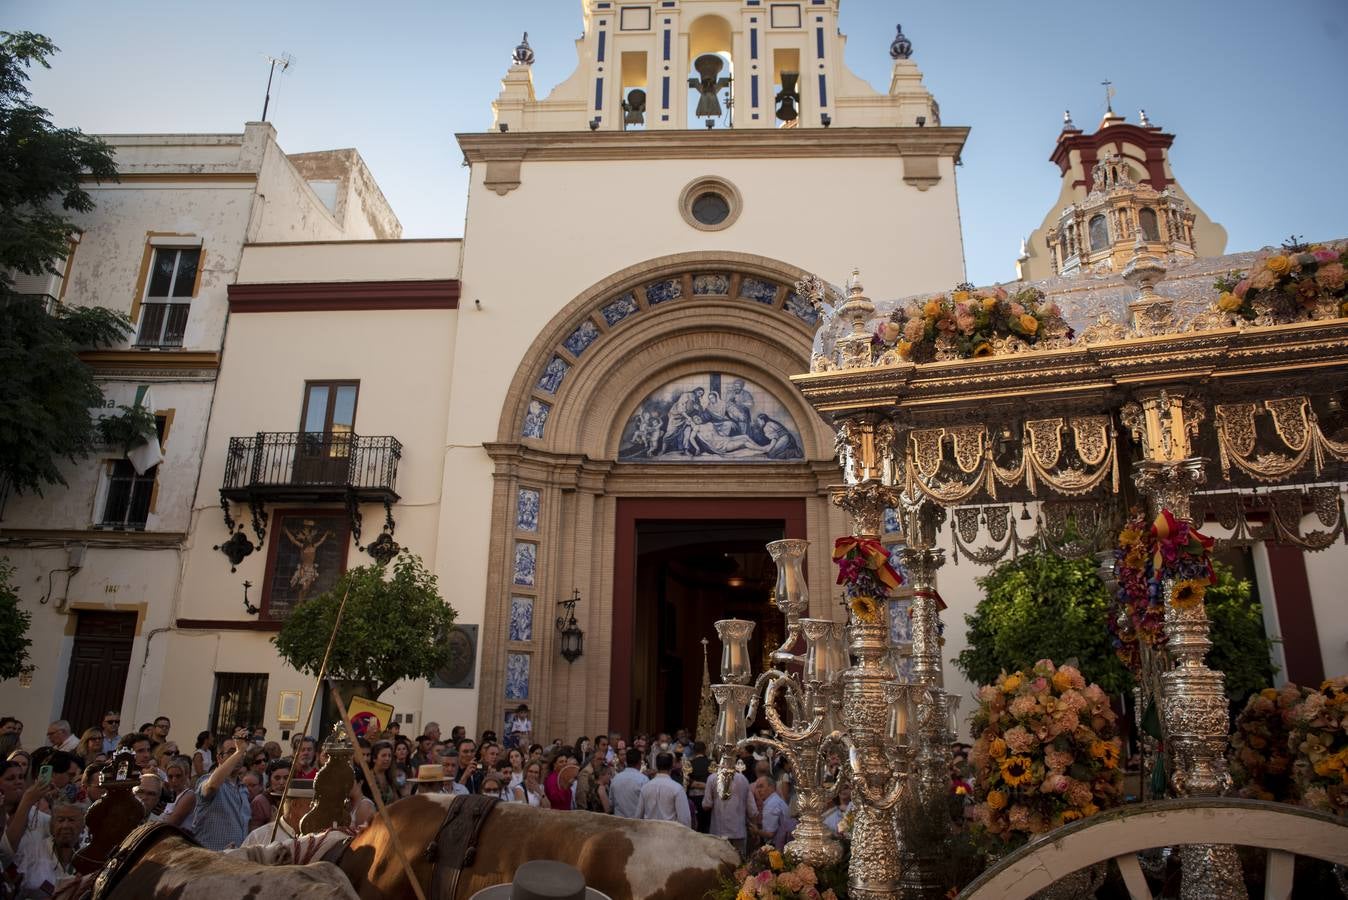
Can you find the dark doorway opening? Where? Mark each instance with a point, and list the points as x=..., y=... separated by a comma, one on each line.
x=99, y=664
x=690, y=573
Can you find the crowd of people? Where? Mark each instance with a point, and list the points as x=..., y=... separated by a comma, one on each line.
x=226, y=790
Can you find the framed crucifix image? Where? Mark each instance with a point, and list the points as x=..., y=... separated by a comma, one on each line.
x=307, y=556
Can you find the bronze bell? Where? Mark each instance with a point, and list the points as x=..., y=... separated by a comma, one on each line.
x=709, y=85
x=788, y=98
x=634, y=107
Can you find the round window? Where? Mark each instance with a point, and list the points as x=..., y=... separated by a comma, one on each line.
x=711, y=208
x=710, y=204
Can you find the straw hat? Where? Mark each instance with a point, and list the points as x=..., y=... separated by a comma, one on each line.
x=301, y=789
x=429, y=773
x=543, y=879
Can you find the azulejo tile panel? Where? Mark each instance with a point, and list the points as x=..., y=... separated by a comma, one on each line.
x=551, y=379
x=535, y=419
x=521, y=618
x=891, y=521
x=586, y=333
x=711, y=417
x=801, y=308
x=711, y=284
x=526, y=563
x=758, y=290
x=664, y=291
x=517, y=676
x=526, y=509
x=620, y=308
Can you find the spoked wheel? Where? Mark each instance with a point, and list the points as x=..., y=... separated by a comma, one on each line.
x=1283, y=832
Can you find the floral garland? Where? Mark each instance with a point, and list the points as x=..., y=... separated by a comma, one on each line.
x=867, y=576
x=1260, y=760
x=1289, y=283
x=772, y=875
x=1147, y=556
x=970, y=323
x=1047, y=753
x=1319, y=739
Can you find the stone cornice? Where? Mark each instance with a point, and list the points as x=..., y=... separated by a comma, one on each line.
x=137, y=362
x=718, y=144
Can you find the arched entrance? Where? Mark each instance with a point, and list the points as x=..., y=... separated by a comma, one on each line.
x=659, y=396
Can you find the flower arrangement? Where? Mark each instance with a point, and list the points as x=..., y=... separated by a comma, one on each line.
x=772, y=875
x=970, y=323
x=1319, y=741
x=1260, y=760
x=867, y=577
x=1047, y=753
x=1289, y=284
x=1149, y=554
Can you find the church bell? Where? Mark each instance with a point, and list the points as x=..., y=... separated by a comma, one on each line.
x=788, y=98
x=709, y=84
x=634, y=107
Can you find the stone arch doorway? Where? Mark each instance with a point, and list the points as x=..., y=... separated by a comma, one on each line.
x=566, y=459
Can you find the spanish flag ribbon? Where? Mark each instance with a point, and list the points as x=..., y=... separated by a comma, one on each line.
x=1165, y=527
x=873, y=553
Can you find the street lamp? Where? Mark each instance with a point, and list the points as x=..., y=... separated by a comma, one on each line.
x=573, y=638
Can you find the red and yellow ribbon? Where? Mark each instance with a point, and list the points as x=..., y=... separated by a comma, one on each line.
x=873, y=553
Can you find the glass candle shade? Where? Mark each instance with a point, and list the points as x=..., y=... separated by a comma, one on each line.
x=736, y=667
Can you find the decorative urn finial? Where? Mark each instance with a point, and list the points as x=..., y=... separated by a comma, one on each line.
x=854, y=286
x=1142, y=118
x=902, y=48
x=1067, y=123
x=524, y=54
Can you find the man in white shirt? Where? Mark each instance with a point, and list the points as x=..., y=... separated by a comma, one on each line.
x=663, y=798
x=730, y=815
x=777, y=823
x=59, y=736
x=299, y=800
x=43, y=861
x=625, y=791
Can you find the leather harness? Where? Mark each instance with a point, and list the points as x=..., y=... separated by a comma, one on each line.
x=130, y=851
x=454, y=847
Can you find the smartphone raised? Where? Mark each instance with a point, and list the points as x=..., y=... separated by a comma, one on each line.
x=44, y=775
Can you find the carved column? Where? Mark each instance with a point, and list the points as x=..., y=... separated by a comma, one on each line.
x=866, y=444
x=1193, y=697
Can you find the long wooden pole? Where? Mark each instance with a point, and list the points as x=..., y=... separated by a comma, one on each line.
x=304, y=729
x=378, y=799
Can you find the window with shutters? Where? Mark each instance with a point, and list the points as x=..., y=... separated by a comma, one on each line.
x=129, y=496
x=240, y=701
x=169, y=289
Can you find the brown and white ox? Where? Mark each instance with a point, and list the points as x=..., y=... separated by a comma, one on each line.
x=626, y=859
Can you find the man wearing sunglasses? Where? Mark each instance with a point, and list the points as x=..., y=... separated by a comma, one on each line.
x=112, y=731
x=220, y=820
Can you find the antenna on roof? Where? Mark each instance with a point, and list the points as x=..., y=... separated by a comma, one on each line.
x=285, y=61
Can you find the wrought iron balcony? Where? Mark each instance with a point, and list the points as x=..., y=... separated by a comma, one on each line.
x=298, y=466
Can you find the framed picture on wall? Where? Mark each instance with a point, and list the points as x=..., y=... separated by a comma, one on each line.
x=462, y=669
x=306, y=557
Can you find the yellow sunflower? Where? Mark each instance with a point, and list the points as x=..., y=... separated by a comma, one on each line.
x=1070, y=815
x=1107, y=752
x=983, y=349
x=1188, y=593
x=865, y=610
x=1016, y=770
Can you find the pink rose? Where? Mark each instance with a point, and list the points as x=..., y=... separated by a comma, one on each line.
x=965, y=323
x=1017, y=310
x=1055, y=783
x=1040, y=685
x=1324, y=255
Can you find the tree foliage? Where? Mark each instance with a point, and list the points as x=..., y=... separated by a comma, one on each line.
x=14, y=620
x=392, y=628
x=48, y=391
x=1042, y=606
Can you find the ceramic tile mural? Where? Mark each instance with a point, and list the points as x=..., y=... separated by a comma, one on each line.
x=526, y=562
x=891, y=521
x=526, y=510
x=517, y=676
x=521, y=618
x=759, y=290
x=619, y=309
x=711, y=284
x=661, y=291
x=536, y=419
x=710, y=418
x=552, y=376
x=584, y=335
x=801, y=308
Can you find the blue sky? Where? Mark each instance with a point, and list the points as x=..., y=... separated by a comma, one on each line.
x=1254, y=91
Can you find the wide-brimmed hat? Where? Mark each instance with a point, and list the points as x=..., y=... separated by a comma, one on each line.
x=429, y=773
x=543, y=879
x=301, y=789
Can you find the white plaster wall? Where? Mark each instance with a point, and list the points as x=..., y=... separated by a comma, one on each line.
x=414, y=260
x=1326, y=572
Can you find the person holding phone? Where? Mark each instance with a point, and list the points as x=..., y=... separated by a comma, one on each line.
x=220, y=820
x=43, y=854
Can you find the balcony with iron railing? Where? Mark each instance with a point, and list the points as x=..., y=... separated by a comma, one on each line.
x=293, y=466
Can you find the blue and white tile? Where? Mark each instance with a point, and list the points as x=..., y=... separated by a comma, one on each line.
x=535, y=419
x=521, y=618
x=801, y=308
x=551, y=379
x=526, y=509
x=586, y=333
x=663, y=291
x=711, y=283
x=526, y=563
x=891, y=521
x=758, y=290
x=900, y=621
x=517, y=676
x=619, y=309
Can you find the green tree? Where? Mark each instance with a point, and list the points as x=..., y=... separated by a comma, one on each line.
x=48, y=391
x=14, y=620
x=1240, y=648
x=392, y=628
x=1042, y=606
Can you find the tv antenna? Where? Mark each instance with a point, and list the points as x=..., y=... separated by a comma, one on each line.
x=284, y=61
